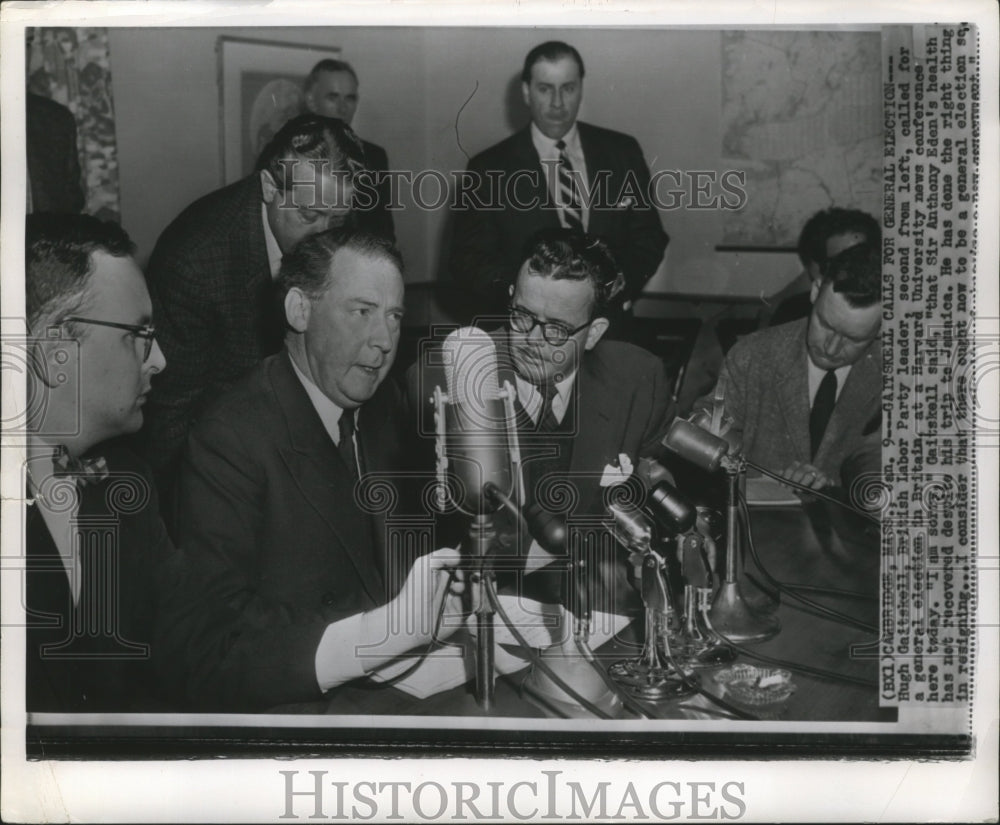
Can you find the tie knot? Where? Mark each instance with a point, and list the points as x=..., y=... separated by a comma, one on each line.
x=560, y=145
x=346, y=425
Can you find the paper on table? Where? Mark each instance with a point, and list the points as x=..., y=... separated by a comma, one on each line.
x=767, y=491
x=542, y=625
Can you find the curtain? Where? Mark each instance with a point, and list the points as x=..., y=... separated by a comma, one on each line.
x=72, y=66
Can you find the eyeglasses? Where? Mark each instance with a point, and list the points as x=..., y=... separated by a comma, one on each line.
x=553, y=332
x=145, y=331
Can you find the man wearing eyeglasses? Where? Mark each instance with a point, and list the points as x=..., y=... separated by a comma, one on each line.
x=587, y=409
x=211, y=273
x=95, y=541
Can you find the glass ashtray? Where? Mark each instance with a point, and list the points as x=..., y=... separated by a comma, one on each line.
x=755, y=686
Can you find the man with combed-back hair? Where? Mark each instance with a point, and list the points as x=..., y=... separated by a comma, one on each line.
x=98, y=556
x=805, y=397
x=211, y=273
x=272, y=504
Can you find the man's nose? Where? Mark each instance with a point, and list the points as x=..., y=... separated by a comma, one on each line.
x=157, y=361
x=381, y=336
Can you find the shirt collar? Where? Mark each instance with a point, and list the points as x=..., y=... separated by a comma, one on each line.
x=816, y=376
x=273, y=250
x=329, y=413
x=546, y=146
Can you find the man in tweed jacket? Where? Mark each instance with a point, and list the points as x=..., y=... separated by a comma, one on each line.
x=772, y=380
x=211, y=273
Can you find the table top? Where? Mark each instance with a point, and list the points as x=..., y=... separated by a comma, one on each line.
x=815, y=544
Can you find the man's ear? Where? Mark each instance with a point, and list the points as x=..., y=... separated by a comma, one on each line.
x=597, y=329
x=526, y=94
x=267, y=184
x=297, y=309
x=814, y=290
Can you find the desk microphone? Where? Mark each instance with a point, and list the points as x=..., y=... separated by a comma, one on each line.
x=671, y=509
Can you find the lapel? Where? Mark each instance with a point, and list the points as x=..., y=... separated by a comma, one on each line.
x=525, y=156
x=856, y=402
x=250, y=255
x=597, y=159
x=791, y=389
x=599, y=411
x=318, y=471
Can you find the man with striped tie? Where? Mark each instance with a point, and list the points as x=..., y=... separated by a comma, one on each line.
x=555, y=172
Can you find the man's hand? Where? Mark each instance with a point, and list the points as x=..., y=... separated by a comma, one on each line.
x=807, y=475
x=433, y=579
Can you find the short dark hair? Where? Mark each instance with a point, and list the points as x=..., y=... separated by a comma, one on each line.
x=307, y=266
x=856, y=273
x=551, y=50
x=329, y=64
x=576, y=256
x=828, y=223
x=58, y=263
x=311, y=137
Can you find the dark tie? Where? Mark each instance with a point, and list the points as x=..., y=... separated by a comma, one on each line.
x=546, y=417
x=346, y=445
x=570, y=198
x=826, y=397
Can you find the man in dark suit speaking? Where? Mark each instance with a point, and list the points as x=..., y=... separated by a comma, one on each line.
x=272, y=505
x=555, y=172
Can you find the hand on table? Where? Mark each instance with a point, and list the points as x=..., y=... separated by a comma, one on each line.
x=807, y=475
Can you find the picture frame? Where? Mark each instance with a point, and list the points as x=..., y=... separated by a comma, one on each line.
x=260, y=88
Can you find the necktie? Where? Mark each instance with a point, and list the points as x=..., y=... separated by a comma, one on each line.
x=346, y=445
x=546, y=416
x=826, y=397
x=83, y=470
x=569, y=197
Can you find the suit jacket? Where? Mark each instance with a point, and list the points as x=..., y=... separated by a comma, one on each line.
x=488, y=245
x=69, y=669
x=214, y=307
x=621, y=405
x=767, y=395
x=375, y=218
x=267, y=513
x=53, y=161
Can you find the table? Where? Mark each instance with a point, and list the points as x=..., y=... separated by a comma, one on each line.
x=815, y=544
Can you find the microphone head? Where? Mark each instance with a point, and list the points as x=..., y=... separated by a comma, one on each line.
x=671, y=509
x=548, y=529
x=470, y=359
x=696, y=445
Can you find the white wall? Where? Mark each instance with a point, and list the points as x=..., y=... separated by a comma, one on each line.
x=663, y=86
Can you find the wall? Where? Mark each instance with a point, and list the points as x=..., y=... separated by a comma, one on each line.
x=661, y=86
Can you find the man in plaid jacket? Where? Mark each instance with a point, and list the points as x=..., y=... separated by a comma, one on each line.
x=211, y=272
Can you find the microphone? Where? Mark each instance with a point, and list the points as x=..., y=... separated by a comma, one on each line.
x=696, y=445
x=476, y=442
x=671, y=509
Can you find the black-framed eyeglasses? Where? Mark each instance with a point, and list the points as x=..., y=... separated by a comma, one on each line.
x=554, y=332
x=145, y=331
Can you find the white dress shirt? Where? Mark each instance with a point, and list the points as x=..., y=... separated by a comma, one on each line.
x=549, y=155
x=336, y=657
x=816, y=376
x=273, y=250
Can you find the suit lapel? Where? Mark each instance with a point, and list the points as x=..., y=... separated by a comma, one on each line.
x=792, y=391
x=319, y=472
x=598, y=428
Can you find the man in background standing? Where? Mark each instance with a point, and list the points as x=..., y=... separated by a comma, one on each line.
x=331, y=90
x=555, y=172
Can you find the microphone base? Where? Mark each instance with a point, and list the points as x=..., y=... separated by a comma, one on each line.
x=580, y=675
x=733, y=618
x=651, y=683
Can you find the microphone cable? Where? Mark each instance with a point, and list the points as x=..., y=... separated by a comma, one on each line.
x=817, y=493
x=434, y=643
x=816, y=608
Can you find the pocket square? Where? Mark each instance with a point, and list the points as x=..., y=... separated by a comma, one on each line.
x=617, y=472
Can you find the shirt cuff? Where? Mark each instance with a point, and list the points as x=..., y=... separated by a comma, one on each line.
x=337, y=657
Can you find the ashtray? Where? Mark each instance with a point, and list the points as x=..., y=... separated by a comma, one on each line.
x=756, y=686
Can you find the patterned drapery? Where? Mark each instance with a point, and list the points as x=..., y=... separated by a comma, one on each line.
x=73, y=67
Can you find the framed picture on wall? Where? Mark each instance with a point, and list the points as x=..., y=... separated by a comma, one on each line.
x=260, y=87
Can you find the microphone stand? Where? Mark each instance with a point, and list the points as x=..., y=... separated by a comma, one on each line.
x=730, y=614
x=481, y=536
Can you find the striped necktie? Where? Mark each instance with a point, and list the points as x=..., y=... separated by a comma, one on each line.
x=569, y=197
x=346, y=445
